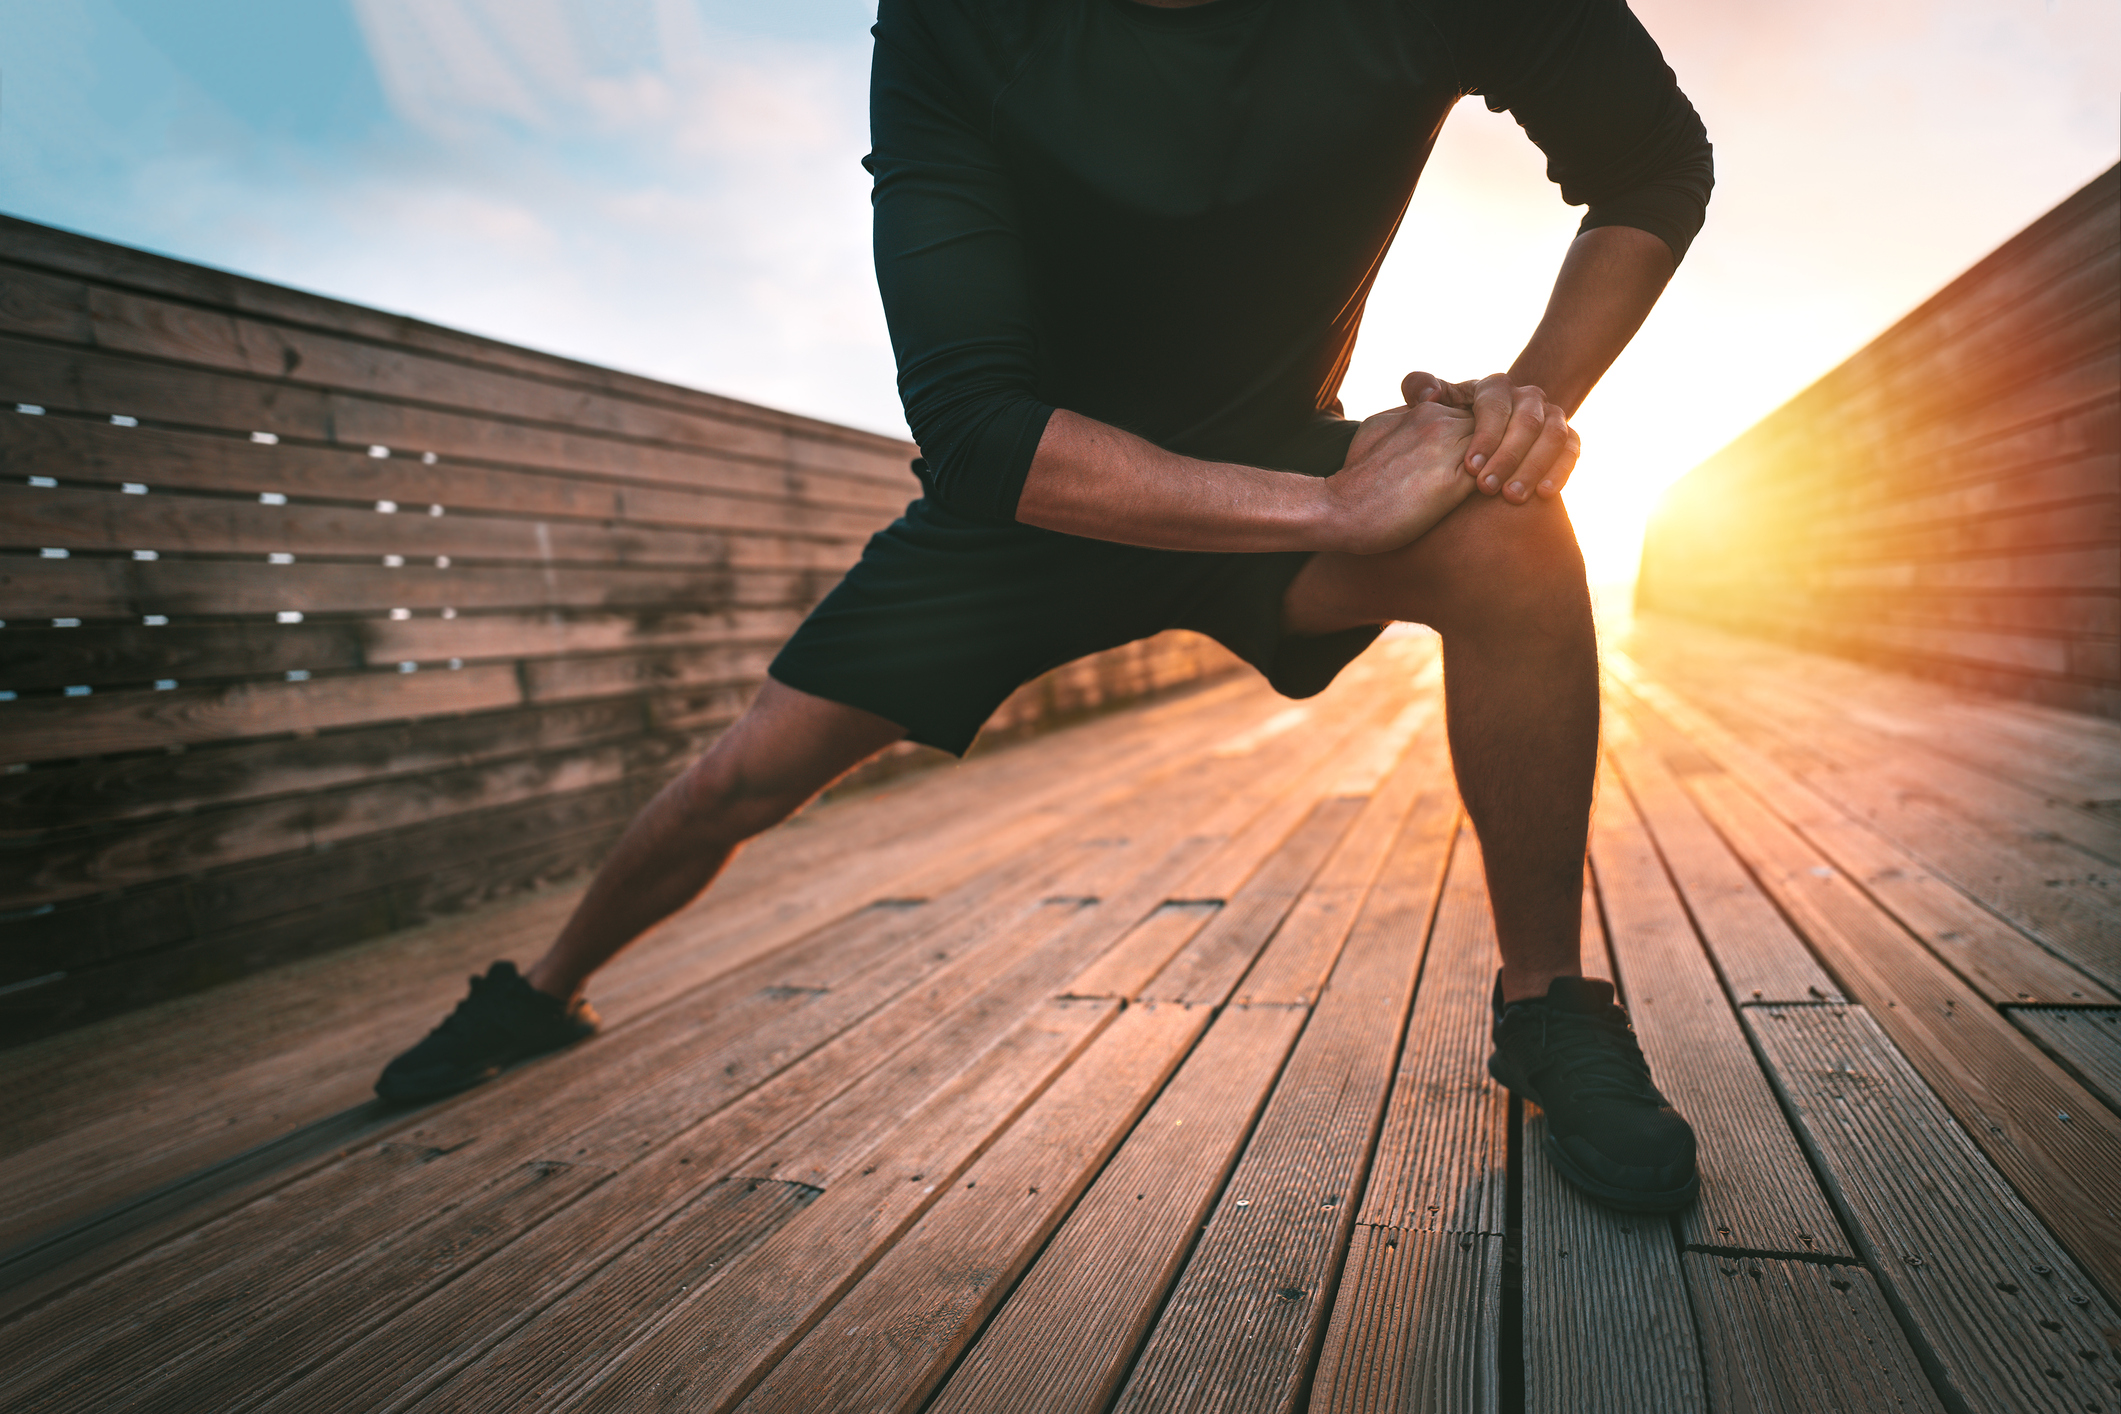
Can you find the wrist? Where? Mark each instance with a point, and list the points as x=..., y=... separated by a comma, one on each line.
x=1319, y=519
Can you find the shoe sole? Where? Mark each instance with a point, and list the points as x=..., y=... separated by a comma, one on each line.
x=402, y=1093
x=1625, y=1200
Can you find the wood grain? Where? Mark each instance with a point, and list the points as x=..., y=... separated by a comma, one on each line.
x=1784, y=1337
x=1997, y=1301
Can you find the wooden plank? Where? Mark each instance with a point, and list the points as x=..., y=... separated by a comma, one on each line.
x=1147, y=949
x=1757, y=954
x=1785, y=1337
x=653, y=486
x=709, y=1230
x=2002, y=962
x=158, y=1135
x=120, y=321
x=1757, y=1193
x=1859, y=756
x=1226, y=948
x=1415, y=1327
x=281, y=1339
x=716, y=1342
x=1963, y=465
x=1993, y=957
x=102, y=385
x=79, y=863
x=1994, y=613
x=135, y=655
x=1243, y=1322
x=1998, y=1302
x=2069, y=757
x=1999, y=1084
x=1999, y=481
x=763, y=533
x=889, y=1341
x=1308, y=943
x=1441, y=1155
x=198, y=931
x=2091, y=519
x=109, y=791
x=46, y=728
x=817, y=1151
x=179, y=589
x=614, y=1100
x=612, y=1262
x=617, y=1136
x=1070, y=1329
x=2086, y=1041
x=1606, y=1325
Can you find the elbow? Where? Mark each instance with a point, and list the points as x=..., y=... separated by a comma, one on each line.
x=978, y=452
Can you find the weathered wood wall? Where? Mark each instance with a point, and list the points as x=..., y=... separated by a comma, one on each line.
x=320, y=621
x=1948, y=501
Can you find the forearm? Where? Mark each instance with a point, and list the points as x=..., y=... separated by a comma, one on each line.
x=1094, y=480
x=1608, y=283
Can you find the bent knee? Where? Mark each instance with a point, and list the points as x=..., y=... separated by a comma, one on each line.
x=1511, y=567
x=724, y=802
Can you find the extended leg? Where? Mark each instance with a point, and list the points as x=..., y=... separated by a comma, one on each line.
x=1504, y=586
x=784, y=750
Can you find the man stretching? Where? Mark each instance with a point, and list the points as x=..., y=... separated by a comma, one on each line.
x=1124, y=249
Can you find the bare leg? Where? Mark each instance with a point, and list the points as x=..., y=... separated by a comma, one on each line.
x=785, y=749
x=1504, y=586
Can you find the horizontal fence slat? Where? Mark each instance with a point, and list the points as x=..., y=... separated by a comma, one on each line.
x=133, y=654
x=108, y=384
x=141, y=786
x=49, y=728
x=75, y=867
x=111, y=520
x=656, y=487
x=131, y=589
x=120, y=321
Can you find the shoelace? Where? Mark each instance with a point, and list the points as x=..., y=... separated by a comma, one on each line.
x=1599, y=1054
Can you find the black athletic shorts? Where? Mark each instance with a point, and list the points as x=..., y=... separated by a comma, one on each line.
x=943, y=617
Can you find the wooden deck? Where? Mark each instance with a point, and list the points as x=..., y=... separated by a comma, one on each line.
x=1140, y=1067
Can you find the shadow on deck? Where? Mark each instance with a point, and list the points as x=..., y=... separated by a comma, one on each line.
x=1141, y=1067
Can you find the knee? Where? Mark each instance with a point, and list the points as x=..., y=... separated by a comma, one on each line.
x=1511, y=569
x=720, y=800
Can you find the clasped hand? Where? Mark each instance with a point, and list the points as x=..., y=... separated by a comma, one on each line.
x=1411, y=466
x=1522, y=444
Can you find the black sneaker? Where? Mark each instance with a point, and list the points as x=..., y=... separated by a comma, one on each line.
x=503, y=1021
x=1609, y=1131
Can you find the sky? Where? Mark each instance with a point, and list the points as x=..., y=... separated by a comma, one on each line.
x=673, y=187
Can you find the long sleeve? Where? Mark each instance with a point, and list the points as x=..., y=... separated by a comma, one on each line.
x=951, y=267
x=1590, y=87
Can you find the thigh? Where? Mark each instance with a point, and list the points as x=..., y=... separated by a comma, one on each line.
x=1487, y=553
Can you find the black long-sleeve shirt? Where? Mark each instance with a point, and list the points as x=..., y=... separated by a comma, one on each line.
x=1169, y=219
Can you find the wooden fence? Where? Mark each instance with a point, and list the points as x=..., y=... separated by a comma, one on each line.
x=1948, y=501
x=320, y=621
